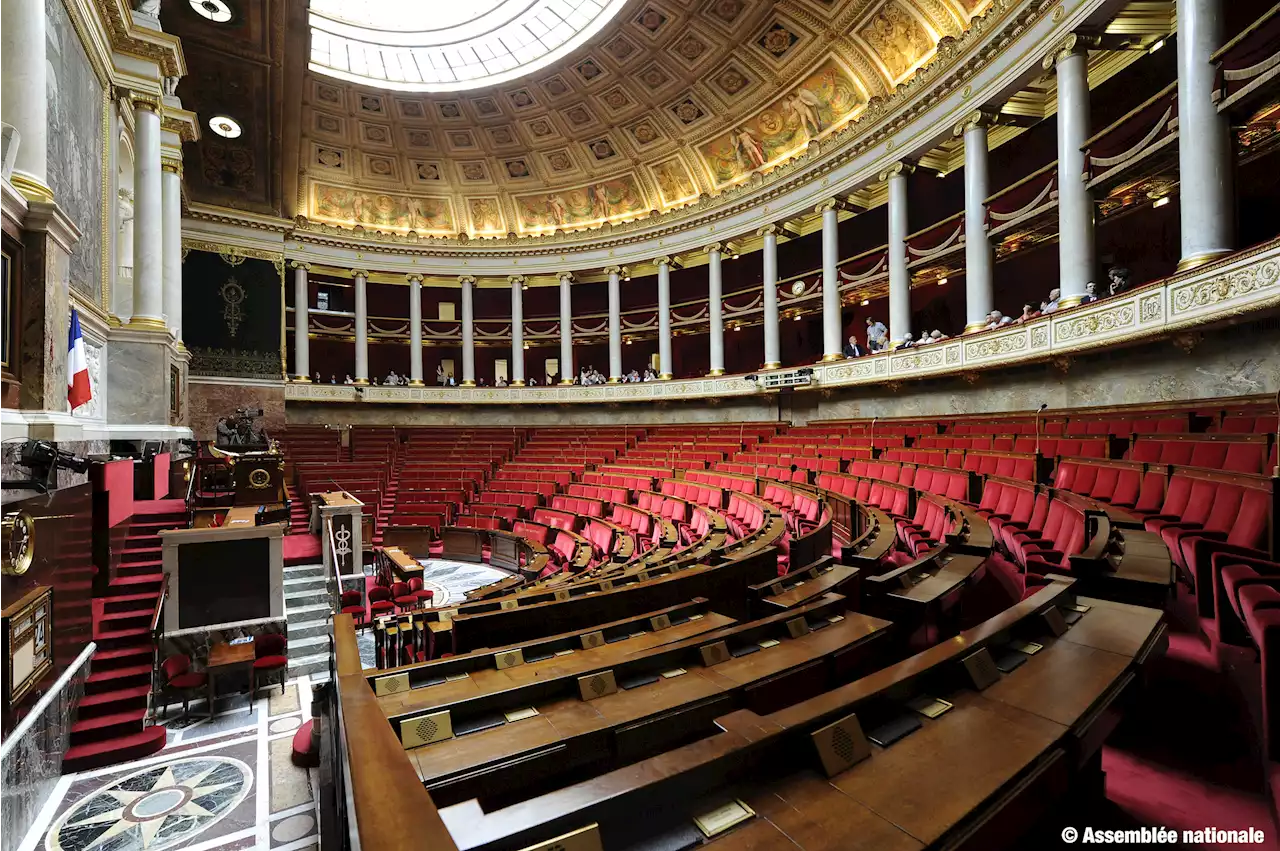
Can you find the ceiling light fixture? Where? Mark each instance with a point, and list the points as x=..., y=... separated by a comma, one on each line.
x=215, y=10
x=1155, y=45
x=225, y=126
x=942, y=282
x=1160, y=202
x=736, y=256
x=865, y=302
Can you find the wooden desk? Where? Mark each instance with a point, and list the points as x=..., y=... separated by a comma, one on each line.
x=403, y=565
x=242, y=515
x=227, y=658
x=833, y=578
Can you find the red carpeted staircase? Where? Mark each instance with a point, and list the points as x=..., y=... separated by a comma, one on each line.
x=110, y=724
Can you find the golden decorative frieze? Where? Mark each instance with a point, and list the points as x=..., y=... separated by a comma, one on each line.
x=1225, y=287
x=1102, y=321
x=1007, y=343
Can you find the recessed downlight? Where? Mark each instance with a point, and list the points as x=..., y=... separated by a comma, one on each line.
x=215, y=10
x=225, y=126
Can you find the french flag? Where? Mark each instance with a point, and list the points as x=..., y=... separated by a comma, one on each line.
x=78, y=390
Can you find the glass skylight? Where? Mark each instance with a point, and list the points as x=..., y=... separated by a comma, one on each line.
x=448, y=45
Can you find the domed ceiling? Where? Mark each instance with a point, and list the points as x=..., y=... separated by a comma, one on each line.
x=667, y=102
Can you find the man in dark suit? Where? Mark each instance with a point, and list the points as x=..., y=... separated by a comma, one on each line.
x=852, y=349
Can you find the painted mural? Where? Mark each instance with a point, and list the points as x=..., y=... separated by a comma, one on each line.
x=674, y=183
x=75, y=146
x=822, y=102
x=382, y=210
x=486, y=215
x=583, y=205
x=898, y=39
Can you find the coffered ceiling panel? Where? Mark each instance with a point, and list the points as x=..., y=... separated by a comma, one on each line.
x=670, y=101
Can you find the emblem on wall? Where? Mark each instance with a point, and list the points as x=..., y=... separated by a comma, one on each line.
x=233, y=296
x=259, y=478
x=18, y=531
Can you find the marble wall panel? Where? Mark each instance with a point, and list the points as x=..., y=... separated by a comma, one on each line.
x=76, y=109
x=138, y=382
x=206, y=402
x=32, y=763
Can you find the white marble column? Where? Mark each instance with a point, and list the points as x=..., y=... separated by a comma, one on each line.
x=301, y=322
x=415, y=330
x=1204, y=148
x=715, y=307
x=122, y=296
x=24, y=96
x=979, y=282
x=567, y=370
x=664, y=317
x=832, y=326
x=1076, y=257
x=148, y=214
x=517, y=329
x=468, y=283
x=615, y=323
x=171, y=239
x=899, y=275
x=362, y=326
x=772, y=349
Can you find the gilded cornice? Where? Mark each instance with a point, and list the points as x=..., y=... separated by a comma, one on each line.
x=228, y=250
x=154, y=45
x=181, y=122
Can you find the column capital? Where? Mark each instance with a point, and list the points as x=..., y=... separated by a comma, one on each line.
x=977, y=118
x=300, y=264
x=829, y=204
x=515, y=279
x=145, y=101
x=664, y=260
x=768, y=229
x=414, y=277
x=360, y=273
x=715, y=246
x=173, y=165
x=1070, y=45
x=565, y=276
x=466, y=279
x=613, y=270
x=898, y=169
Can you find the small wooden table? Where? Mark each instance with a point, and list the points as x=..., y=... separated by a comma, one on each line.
x=227, y=658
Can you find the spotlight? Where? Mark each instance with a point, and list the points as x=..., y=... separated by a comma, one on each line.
x=736, y=256
x=43, y=459
x=805, y=370
x=1160, y=202
x=942, y=282
x=1156, y=45
x=751, y=378
x=865, y=302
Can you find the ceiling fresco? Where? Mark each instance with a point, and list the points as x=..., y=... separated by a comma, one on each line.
x=670, y=102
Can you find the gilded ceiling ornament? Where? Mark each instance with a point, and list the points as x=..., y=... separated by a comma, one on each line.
x=233, y=296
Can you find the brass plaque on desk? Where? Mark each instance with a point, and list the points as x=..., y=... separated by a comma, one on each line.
x=506, y=605
x=714, y=654
x=659, y=622
x=722, y=818
x=606, y=584
x=28, y=648
x=1054, y=621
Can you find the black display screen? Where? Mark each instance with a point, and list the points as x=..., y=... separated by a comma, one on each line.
x=224, y=581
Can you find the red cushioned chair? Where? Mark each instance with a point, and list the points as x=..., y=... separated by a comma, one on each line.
x=178, y=677
x=423, y=595
x=380, y=602
x=403, y=596
x=353, y=604
x=270, y=656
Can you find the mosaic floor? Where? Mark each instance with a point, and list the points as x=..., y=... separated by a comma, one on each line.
x=224, y=783
x=450, y=580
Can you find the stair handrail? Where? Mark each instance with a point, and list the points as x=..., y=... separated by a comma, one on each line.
x=157, y=635
x=334, y=580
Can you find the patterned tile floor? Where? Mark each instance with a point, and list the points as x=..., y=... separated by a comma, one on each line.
x=224, y=783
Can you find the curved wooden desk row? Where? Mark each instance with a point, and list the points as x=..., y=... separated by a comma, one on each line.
x=611, y=705
x=1019, y=731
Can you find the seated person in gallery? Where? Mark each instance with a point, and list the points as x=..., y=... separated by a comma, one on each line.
x=937, y=335
x=348, y=380
x=1090, y=293
x=333, y=379
x=450, y=380
x=649, y=374
x=317, y=378
x=501, y=382
x=392, y=379
x=1118, y=278
x=1029, y=312
x=634, y=375
x=1054, y=302
x=908, y=342
x=852, y=349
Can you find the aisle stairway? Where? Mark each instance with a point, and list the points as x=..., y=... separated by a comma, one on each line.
x=110, y=724
x=306, y=606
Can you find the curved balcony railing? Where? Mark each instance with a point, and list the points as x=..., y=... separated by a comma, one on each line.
x=1246, y=283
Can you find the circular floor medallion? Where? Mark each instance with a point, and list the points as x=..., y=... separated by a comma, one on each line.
x=154, y=808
